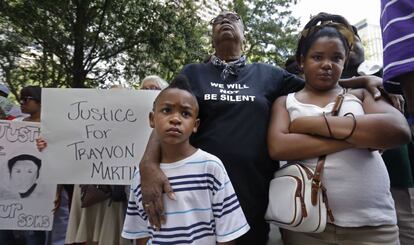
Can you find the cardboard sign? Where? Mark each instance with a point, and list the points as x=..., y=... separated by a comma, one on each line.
x=94, y=136
x=26, y=201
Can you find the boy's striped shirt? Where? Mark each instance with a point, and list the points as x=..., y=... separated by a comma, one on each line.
x=206, y=210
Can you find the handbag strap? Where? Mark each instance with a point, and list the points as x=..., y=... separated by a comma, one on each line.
x=316, y=180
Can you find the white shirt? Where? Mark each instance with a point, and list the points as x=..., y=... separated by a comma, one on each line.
x=206, y=210
x=357, y=182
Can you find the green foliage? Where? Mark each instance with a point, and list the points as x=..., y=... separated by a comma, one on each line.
x=81, y=43
x=270, y=29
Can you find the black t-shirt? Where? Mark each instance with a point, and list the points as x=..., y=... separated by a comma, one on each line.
x=234, y=120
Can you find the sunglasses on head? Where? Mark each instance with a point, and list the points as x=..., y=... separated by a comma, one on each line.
x=26, y=99
x=230, y=16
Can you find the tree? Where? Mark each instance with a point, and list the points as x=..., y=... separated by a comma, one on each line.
x=81, y=43
x=270, y=29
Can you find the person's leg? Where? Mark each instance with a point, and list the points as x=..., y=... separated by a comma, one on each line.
x=404, y=205
x=368, y=235
x=35, y=237
x=7, y=237
x=60, y=221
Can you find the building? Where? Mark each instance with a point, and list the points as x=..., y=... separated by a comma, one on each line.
x=371, y=37
x=208, y=9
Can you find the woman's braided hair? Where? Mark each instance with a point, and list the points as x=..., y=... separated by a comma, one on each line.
x=325, y=25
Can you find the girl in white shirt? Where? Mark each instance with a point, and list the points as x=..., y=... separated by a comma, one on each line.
x=301, y=128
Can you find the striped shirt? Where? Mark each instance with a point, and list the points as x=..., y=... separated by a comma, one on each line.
x=206, y=210
x=397, y=24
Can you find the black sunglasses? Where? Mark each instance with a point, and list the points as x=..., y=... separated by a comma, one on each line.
x=26, y=99
x=230, y=16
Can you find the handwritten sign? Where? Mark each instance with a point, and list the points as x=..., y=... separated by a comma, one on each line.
x=94, y=136
x=26, y=201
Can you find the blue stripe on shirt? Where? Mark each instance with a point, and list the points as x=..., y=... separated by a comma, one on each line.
x=234, y=231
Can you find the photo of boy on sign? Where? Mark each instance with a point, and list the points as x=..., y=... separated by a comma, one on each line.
x=24, y=172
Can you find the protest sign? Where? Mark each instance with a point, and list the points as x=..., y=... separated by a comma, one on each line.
x=94, y=136
x=26, y=201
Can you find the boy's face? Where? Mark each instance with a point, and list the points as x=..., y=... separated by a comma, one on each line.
x=175, y=116
x=23, y=175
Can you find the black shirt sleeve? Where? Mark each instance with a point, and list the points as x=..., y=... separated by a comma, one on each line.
x=291, y=83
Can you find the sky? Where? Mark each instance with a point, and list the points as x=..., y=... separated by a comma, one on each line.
x=353, y=10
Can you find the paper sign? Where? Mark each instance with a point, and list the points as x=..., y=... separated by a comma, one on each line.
x=26, y=201
x=94, y=136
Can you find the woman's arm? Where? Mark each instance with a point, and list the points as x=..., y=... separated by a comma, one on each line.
x=284, y=145
x=370, y=83
x=154, y=182
x=381, y=127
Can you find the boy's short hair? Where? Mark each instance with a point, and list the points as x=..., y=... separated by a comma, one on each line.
x=179, y=82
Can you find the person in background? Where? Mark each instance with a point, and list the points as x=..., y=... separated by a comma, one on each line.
x=397, y=27
x=8, y=110
x=400, y=168
x=291, y=65
x=30, y=101
x=153, y=82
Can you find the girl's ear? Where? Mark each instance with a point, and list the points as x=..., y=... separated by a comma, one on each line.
x=151, y=119
x=301, y=63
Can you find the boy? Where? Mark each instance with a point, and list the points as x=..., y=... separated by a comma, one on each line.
x=206, y=209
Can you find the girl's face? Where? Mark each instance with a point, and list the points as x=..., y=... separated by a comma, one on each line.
x=324, y=62
x=29, y=105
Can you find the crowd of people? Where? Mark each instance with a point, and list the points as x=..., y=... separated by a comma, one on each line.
x=221, y=126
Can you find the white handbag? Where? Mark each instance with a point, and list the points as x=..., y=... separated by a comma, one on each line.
x=298, y=200
x=297, y=197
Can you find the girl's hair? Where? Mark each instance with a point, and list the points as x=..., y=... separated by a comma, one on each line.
x=325, y=25
x=32, y=91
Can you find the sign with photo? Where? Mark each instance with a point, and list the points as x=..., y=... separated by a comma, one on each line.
x=94, y=136
x=26, y=200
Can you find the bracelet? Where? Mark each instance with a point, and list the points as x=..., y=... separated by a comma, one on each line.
x=410, y=120
x=327, y=125
x=353, y=126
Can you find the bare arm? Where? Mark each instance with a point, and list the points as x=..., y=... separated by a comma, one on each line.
x=370, y=83
x=284, y=145
x=381, y=127
x=153, y=182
